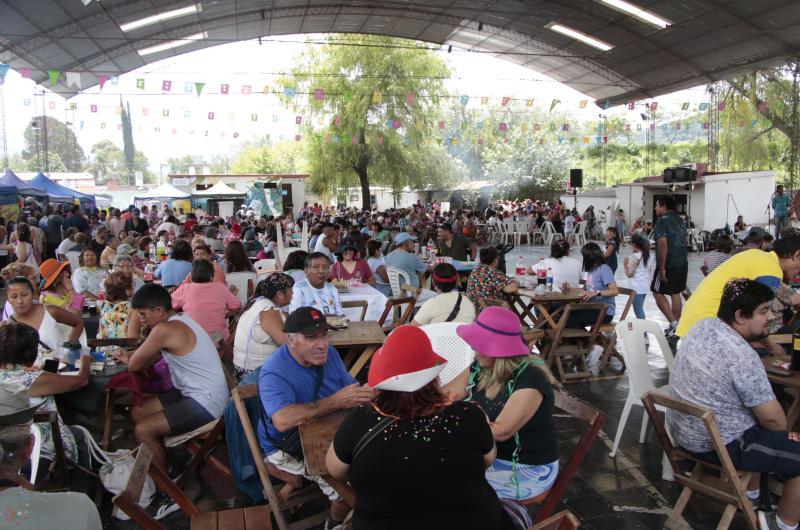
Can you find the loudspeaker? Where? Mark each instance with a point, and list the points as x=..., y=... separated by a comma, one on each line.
x=679, y=174
x=575, y=178
x=669, y=175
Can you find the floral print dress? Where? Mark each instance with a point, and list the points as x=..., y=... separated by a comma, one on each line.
x=113, y=319
x=486, y=282
x=26, y=378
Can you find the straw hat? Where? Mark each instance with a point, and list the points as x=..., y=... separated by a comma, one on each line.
x=495, y=333
x=50, y=269
x=406, y=362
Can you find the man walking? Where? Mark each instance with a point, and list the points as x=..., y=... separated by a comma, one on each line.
x=669, y=278
x=780, y=203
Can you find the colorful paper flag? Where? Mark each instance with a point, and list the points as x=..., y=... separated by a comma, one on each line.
x=73, y=106
x=187, y=114
x=554, y=103
x=529, y=102
x=297, y=137
x=505, y=101
x=565, y=127
x=685, y=105
x=654, y=106
x=484, y=100
x=93, y=108
x=502, y=126
x=188, y=87
x=224, y=88
x=140, y=83
x=199, y=88
x=464, y=100
x=53, y=75
x=25, y=73
x=381, y=140
x=166, y=86
x=165, y=113
x=73, y=78
x=274, y=118
x=3, y=72
x=289, y=91
x=298, y=120
x=410, y=97
x=52, y=105
x=254, y=117
x=377, y=96
x=265, y=90
x=211, y=115
x=705, y=125
x=702, y=107
x=631, y=105
x=246, y=90
x=354, y=140
x=319, y=94
x=145, y=111
x=582, y=104
x=441, y=124
x=395, y=124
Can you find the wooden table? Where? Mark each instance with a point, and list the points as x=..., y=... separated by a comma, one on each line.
x=791, y=382
x=364, y=336
x=315, y=439
x=541, y=302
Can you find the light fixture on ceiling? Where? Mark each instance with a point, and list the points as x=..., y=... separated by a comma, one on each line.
x=579, y=36
x=173, y=44
x=637, y=12
x=160, y=17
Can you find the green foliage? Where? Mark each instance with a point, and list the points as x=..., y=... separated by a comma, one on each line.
x=61, y=141
x=263, y=158
x=346, y=137
x=108, y=163
x=127, y=137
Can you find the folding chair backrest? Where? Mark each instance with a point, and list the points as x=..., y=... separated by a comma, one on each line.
x=347, y=304
x=74, y=259
x=267, y=264
x=394, y=303
x=279, y=233
x=560, y=521
x=594, y=420
x=245, y=282
x=580, y=228
x=449, y=345
x=549, y=227
x=630, y=293
x=304, y=236
x=510, y=226
x=729, y=487
x=631, y=333
x=397, y=277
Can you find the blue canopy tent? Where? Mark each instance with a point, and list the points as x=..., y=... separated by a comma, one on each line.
x=8, y=195
x=54, y=189
x=23, y=188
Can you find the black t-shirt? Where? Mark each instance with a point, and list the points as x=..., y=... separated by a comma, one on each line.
x=97, y=247
x=136, y=225
x=458, y=249
x=537, y=438
x=426, y=473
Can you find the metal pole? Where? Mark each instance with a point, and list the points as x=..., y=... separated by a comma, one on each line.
x=3, y=124
x=44, y=135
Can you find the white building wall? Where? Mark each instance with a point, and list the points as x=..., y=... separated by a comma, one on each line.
x=599, y=203
x=746, y=194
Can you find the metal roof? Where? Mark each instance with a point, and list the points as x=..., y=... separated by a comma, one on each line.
x=708, y=40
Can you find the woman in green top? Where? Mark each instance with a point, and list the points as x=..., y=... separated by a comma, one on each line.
x=515, y=390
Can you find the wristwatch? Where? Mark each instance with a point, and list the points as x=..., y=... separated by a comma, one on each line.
x=72, y=345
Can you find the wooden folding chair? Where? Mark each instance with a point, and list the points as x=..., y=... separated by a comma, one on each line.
x=572, y=342
x=560, y=521
x=492, y=302
x=594, y=419
x=609, y=343
x=394, y=306
x=721, y=482
x=250, y=518
x=59, y=468
x=357, y=303
x=294, y=492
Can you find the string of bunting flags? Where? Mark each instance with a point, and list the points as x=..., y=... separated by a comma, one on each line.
x=566, y=132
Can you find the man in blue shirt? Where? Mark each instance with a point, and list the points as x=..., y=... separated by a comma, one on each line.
x=780, y=203
x=303, y=380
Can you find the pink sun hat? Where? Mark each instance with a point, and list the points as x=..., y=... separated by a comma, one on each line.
x=495, y=333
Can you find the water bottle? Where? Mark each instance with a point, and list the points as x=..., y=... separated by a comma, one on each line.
x=520, y=271
x=795, y=366
x=152, y=252
x=416, y=249
x=549, y=281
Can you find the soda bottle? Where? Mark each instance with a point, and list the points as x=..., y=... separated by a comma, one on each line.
x=541, y=273
x=795, y=366
x=549, y=280
x=520, y=270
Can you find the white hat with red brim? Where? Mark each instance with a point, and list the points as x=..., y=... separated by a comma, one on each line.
x=406, y=362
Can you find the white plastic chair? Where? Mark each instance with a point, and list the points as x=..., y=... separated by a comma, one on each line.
x=268, y=264
x=550, y=230
x=304, y=237
x=522, y=230
x=580, y=233
x=397, y=277
x=449, y=345
x=242, y=281
x=283, y=255
x=640, y=381
x=509, y=231
x=74, y=257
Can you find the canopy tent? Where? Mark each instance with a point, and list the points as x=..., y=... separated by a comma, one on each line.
x=55, y=189
x=23, y=188
x=220, y=189
x=8, y=195
x=162, y=193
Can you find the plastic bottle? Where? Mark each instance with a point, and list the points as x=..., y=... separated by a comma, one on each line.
x=549, y=280
x=152, y=251
x=520, y=271
x=541, y=272
x=432, y=250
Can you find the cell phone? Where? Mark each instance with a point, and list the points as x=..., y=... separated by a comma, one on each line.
x=51, y=365
x=780, y=371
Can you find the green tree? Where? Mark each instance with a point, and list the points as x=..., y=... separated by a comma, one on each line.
x=254, y=160
x=127, y=137
x=61, y=140
x=108, y=163
x=367, y=81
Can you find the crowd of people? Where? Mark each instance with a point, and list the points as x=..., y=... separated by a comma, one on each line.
x=462, y=453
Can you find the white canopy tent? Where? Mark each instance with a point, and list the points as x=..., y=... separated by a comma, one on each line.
x=219, y=189
x=161, y=193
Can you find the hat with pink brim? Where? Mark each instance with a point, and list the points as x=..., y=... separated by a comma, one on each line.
x=495, y=333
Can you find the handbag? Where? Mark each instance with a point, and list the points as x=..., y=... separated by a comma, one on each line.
x=115, y=470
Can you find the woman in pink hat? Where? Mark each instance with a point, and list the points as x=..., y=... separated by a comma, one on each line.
x=413, y=448
x=515, y=390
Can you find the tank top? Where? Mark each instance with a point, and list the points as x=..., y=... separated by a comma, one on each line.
x=30, y=259
x=199, y=374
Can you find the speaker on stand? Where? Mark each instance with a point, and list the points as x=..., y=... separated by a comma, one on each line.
x=575, y=182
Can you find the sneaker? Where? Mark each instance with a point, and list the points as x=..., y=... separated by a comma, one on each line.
x=594, y=358
x=670, y=331
x=161, y=506
x=767, y=520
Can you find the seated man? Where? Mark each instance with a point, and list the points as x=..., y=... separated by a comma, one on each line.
x=403, y=258
x=455, y=246
x=314, y=290
x=717, y=369
x=201, y=391
x=303, y=380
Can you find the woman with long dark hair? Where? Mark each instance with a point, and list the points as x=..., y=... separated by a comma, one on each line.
x=177, y=267
x=260, y=329
x=639, y=268
x=23, y=248
x=600, y=287
x=236, y=258
x=411, y=445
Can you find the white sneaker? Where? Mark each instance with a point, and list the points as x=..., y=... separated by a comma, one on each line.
x=594, y=358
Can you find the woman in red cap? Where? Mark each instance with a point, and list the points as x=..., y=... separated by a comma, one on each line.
x=515, y=390
x=415, y=459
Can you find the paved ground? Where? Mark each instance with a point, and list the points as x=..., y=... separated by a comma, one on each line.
x=625, y=492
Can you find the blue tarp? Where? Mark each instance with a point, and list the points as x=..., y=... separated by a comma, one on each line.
x=56, y=189
x=23, y=188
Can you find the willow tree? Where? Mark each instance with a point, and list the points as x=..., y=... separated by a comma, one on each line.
x=369, y=109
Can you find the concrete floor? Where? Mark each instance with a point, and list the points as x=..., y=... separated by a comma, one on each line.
x=625, y=492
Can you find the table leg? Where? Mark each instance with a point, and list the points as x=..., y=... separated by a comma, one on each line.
x=365, y=356
x=793, y=413
x=546, y=316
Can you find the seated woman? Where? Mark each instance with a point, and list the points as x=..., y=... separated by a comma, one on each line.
x=205, y=301
x=600, y=287
x=251, y=244
x=203, y=251
x=68, y=243
x=174, y=270
x=486, y=281
x=350, y=268
x=448, y=305
x=515, y=390
x=295, y=265
x=566, y=269
x=117, y=319
x=377, y=265
x=124, y=263
x=12, y=271
x=420, y=445
x=17, y=356
x=57, y=289
x=88, y=279
x=236, y=258
x=260, y=329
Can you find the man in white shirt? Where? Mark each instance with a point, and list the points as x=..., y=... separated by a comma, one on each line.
x=326, y=242
x=315, y=291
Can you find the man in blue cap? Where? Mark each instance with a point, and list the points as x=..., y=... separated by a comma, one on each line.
x=403, y=258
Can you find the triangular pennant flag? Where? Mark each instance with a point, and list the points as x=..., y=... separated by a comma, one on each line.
x=336, y=139
x=140, y=83
x=480, y=141
x=705, y=125
x=319, y=94
x=73, y=106
x=582, y=104
x=53, y=75
x=685, y=105
x=441, y=124
x=502, y=126
x=586, y=139
x=274, y=118
x=166, y=86
x=523, y=127
x=537, y=126
x=3, y=72
x=406, y=141
x=605, y=139
x=297, y=137
x=73, y=79
x=114, y=80
x=224, y=88
x=505, y=101
x=410, y=97
x=554, y=103
x=395, y=124
x=93, y=108
x=631, y=105
x=102, y=79
x=377, y=96
x=247, y=90
x=565, y=127
x=199, y=88
x=464, y=100
x=102, y=125
x=25, y=73
x=529, y=102
x=145, y=111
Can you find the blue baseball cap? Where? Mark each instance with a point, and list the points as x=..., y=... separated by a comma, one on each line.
x=402, y=237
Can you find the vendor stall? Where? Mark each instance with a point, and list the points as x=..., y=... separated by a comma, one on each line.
x=220, y=199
